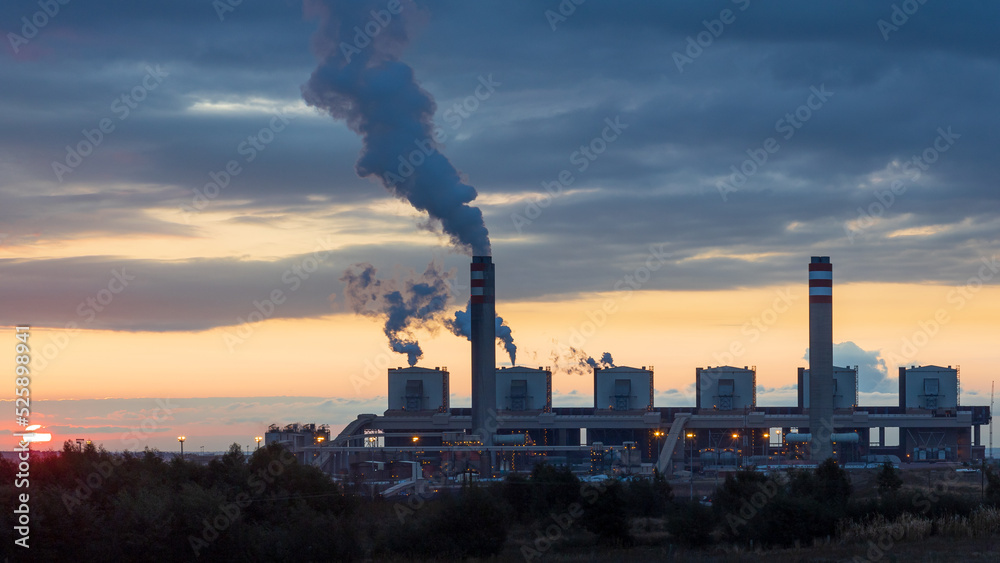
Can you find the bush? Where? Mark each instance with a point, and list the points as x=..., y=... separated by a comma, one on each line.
x=992, y=486
x=888, y=479
x=606, y=516
x=472, y=524
x=691, y=524
x=648, y=498
x=552, y=489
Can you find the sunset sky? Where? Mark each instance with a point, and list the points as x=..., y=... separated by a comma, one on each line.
x=739, y=139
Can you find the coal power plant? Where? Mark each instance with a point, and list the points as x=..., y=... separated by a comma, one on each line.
x=512, y=424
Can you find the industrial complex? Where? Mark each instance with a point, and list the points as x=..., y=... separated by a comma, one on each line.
x=513, y=425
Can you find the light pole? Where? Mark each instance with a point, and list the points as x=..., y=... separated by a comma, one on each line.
x=690, y=437
x=181, y=440
x=764, y=445
x=258, y=439
x=736, y=446
x=657, y=434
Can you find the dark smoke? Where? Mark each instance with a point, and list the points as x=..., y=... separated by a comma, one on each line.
x=605, y=362
x=361, y=80
x=405, y=303
x=461, y=325
x=573, y=361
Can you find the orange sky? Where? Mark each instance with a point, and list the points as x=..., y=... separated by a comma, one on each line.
x=341, y=356
x=673, y=331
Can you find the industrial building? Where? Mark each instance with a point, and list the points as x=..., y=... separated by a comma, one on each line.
x=513, y=424
x=845, y=388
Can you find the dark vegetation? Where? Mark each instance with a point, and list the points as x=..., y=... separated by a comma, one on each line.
x=91, y=505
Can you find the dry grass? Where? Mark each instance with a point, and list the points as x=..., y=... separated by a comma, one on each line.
x=983, y=523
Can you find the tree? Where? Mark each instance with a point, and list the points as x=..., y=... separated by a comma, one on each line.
x=692, y=524
x=832, y=483
x=606, y=517
x=992, y=485
x=888, y=479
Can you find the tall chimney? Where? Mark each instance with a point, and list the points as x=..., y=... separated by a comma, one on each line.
x=821, y=357
x=484, y=387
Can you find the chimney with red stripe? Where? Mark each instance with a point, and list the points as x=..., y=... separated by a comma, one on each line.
x=483, y=328
x=821, y=357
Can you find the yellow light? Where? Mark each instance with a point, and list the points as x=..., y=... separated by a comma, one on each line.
x=736, y=436
x=416, y=438
x=690, y=435
x=258, y=439
x=181, y=438
x=766, y=435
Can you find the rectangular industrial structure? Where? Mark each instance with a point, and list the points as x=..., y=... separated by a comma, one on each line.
x=417, y=389
x=845, y=387
x=512, y=423
x=524, y=389
x=725, y=388
x=623, y=388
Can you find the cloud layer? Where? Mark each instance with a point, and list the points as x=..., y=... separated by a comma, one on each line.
x=793, y=130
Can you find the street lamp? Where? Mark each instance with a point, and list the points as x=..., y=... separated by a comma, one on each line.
x=181, y=440
x=690, y=436
x=736, y=446
x=764, y=445
x=258, y=439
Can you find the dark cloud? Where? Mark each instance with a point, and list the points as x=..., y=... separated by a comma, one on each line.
x=655, y=184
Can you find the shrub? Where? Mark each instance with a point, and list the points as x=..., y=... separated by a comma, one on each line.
x=888, y=479
x=691, y=524
x=606, y=516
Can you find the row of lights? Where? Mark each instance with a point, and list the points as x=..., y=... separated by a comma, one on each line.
x=182, y=439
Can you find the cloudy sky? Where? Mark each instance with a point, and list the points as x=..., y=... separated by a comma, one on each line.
x=161, y=177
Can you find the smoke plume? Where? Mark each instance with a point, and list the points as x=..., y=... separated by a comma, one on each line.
x=361, y=80
x=576, y=362
x=461, y=325
x=405, y=302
